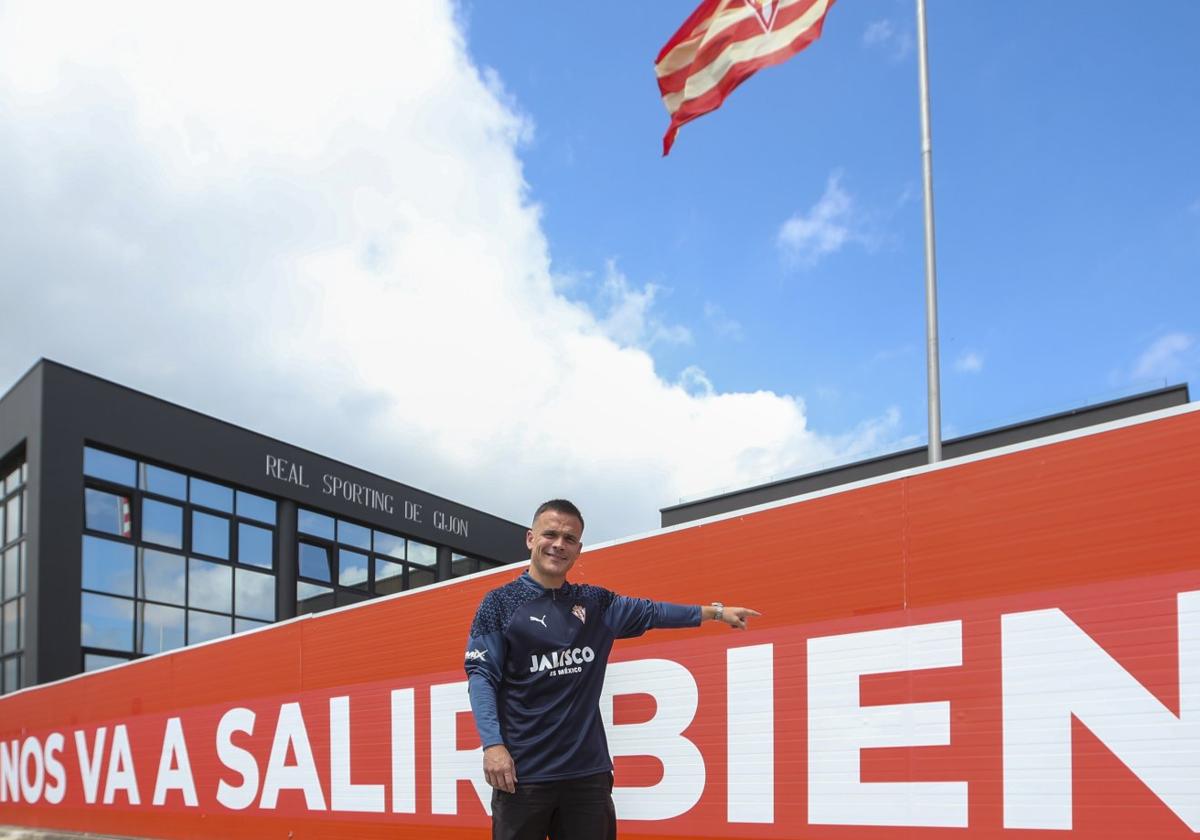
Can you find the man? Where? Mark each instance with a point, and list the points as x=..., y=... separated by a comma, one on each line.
x=535, y=666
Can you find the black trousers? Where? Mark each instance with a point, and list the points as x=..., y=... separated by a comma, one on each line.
x=572, y=809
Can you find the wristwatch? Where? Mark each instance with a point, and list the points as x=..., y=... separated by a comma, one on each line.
x=720, y=610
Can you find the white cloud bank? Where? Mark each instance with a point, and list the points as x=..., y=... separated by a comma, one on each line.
x=312, y=221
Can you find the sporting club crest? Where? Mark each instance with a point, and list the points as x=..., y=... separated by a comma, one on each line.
x=765, y=9
x=579, y=612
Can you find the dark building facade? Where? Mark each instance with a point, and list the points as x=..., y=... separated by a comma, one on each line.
x=1052, y=424
x=131, y=526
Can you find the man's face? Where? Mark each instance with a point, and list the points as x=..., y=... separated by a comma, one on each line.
x=554, y=542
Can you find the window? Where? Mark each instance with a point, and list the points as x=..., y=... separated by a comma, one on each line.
x=108, y=513
x=12, y=573
x=342, y=562
x=461, y=564
x=159, y=628
x=256, y=546
x=162, y=577
x=108, y=466
x=254, y=507
x=315, y=524
x=108, y=566
x=210, y=585
x=314, y=562
x=211, y=495
x=162, y=523
x=195, y=561
x=254, y=594
x=312, y=598
x=163, y=482
x=106, y=622
x=352, y=568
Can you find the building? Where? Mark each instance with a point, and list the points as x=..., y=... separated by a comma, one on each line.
x=1052, y=424
x=130, y=525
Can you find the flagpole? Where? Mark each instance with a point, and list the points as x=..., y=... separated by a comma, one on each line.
x=931, y=336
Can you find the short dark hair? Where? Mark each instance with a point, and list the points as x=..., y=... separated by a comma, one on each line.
x=559, y=506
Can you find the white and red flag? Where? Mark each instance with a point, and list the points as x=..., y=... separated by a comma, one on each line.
x=722, y=44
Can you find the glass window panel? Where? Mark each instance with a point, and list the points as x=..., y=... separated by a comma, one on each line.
x=254, y=595
x=418, y=576
x=108, y=566
x=210, y=534
x=12, y=573
x=210, y=586
x=421, y=554
x=389, y=576
x=211, y=495
x=311, y=598
x=163, y=482
x=488, y=564
x=242, y=624
x=352, y=568
x=255, y=507
x=386, y=569
x=159, y=628
x=11, y=629
x=356, y=535
x=3, y=539
x=12, y=524
x=316, y=524
x=203, y=627
x=12, y=675
x=24, y=473
x=106, y=622
x=105, y=465
x=105, y=512
x=255, y=546
x=162, y=523
x=314, y=562
x=23, y=581
x=389, y=544
x=344, y=597
x=460, y=565
x=14, y=479
x=96, y=661
x=162, y=576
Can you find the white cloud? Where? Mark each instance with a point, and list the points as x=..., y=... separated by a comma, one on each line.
x=313, y=221
x=696, y=382
x=1168, y=358
x=629, y=320
x=969, y=362
x=878, y=32
x=883, y=34
x=827, y=227
x=721, y=323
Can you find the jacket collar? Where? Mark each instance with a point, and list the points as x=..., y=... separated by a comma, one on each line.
x=527, y=580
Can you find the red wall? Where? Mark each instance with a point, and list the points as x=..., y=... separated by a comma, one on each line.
x=1099, y=533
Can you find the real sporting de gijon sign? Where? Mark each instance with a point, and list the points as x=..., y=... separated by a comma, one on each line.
x=989, y=647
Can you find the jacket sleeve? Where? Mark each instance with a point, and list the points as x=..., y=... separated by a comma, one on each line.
x=628, y=617
x=486, y=651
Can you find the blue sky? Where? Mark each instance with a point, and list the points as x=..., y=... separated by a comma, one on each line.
x=1067, y=192
x=438, y=240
